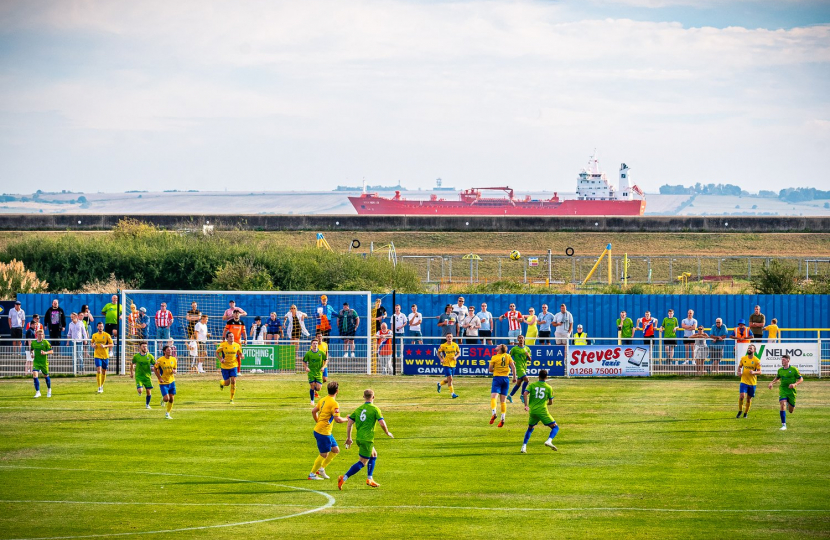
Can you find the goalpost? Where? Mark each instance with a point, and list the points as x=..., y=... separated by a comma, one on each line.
x=349, y=348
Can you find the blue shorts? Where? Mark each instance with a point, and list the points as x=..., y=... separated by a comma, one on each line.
x=449, y=371
x=325, y=372
x=324, y=442
x=500, y=385
x=102, y=363
x=168, y=389
x=415, y=333
x=228, y=373
x=747, y=389
x=514, y=333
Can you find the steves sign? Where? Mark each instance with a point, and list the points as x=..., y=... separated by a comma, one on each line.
x=475, y=360
x=609, y=361
x=805, y=356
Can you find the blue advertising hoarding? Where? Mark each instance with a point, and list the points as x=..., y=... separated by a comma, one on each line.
x=474, y=360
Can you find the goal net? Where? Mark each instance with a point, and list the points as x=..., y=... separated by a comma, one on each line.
x=276, y=328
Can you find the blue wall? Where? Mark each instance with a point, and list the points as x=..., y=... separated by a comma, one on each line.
x=597, y=313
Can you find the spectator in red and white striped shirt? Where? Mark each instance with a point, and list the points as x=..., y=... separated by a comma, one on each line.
x=164, y=320
x=514, y=323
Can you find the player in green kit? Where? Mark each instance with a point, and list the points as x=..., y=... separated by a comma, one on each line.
x=315, y=360
x=141, y=368
x=521, y=355
x=537, y=398
x=364, y=417
x=790, y=378
x=41, y=349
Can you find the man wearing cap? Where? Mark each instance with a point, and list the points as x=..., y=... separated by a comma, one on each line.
x=142, y=323
x=580, y=337
x=17, y=320
x=325, y=314
x=228, y=315
x=757, y=321
x=742, y=333
x=718, y=334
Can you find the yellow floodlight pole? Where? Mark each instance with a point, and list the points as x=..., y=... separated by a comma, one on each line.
x=625, y=270
x=599, y=260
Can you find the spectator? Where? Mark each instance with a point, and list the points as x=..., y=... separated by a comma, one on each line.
x=86, y=317
x=701, y=351
x=447, y=323
x=142, y=324
x=17, y=321
x=201, y=334
x=773, y=332
x=31, y=334
x=460, y=311
x=274, y=328
x=415, y=320
x=236, y=327
x=55, y=320
x=378, y=314
x=471, y=325
x=76, y=334
x=164, y=320
x=193, y=316
x=348, y=323
x=325, y=316
x=294, y=324
x=486, y=318
x=564, y=324
x=669, y=329
x=625, y=328
x=742, y=333
x=756, y=324
x=718, y=335
x=258, y=331
x=193, y=351
x=514, y=322
x=228, y=315
x=383, y=338
x=112, y=314
x=545, y=320
x=173, y=350
x=132, y=331
x=647, y=324
x=580, y=337
x=532, y=328
x=689, y=325
x=399, y=320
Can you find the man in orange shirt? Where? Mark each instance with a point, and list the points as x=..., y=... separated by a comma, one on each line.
x=742, y=333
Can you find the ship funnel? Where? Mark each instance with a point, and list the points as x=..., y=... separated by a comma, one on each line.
x=624, y=192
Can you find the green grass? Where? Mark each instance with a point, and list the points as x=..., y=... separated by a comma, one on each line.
x=669, y=447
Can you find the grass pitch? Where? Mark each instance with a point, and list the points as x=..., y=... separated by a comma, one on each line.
x=657, y=458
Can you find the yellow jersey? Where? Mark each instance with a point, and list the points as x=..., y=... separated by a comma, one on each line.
x=749, y=364
x=328, y=409
x=772, y=331
x=323, y=347
x=451, y=351
x=501, y=364
x=229, y=352
x=166, y=366
x=99, y=340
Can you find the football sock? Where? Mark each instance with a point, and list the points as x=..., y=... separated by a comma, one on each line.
x=528, y=433
x=371, y=466
x=37, y=384
x=318, y=464
x=783, y=417
x=147, y=398
x=233, y=390
x=353, y=470
x=740, y=403
x=311, y=394
x=103, y=377
x=98, y=379
x=452, y=391
x=169, y=406
x=515, y=389
x=48, y=382
x=553, y=431
x=442, y=383
x=748, y=404
x=503, y=409
x=493, y=404
x=524, y=386
x=328, y=459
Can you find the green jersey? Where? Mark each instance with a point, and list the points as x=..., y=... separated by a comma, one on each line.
x=520, y=357
x=626, y=327
x=111, y=312
x=143, y=365
x=41, y=360
x=365, y=417
x=669, y=326
x=315, y=361
x=788, y=376
x=537, y=401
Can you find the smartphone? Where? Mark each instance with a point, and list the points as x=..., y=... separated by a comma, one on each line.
x=638, y=356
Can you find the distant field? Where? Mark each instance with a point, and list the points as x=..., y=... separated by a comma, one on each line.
x=656, y=458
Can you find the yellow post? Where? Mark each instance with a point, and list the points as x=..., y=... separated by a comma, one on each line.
x=625, y=270
x=596, y=265
x=610, y=274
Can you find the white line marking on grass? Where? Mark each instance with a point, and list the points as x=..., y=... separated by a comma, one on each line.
x=329, y=502
x=126, y=503
x=581, y=509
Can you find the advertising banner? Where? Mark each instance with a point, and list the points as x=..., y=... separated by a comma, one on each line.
x=609, y=361
x=475, y=360
x=268, y=357
x=804, y=356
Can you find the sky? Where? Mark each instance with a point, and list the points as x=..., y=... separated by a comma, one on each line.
x=268, y=95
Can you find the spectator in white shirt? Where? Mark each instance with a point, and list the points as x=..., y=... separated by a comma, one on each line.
x=415, y=320
x=200, y=332
x=689, y=325
x=400, y=321
x=17, y=322
x=486, y=320
x=460, y=311
x=471, y=324
x=545, y=319
x=564, y=323
x=258, y=331
x=76, y=333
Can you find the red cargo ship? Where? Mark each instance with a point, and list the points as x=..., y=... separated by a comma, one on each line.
x=595, y=197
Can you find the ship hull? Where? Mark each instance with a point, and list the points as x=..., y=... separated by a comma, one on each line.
x=373, y=205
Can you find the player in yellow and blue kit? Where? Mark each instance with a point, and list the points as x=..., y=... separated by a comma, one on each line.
x=101, y=343
x=324, y=413
x=501, y=366
x=230, y=354
x=447, y=353
x=749, y=368
x=165, y=368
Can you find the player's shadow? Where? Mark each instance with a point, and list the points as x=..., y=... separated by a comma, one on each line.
x=670, y=420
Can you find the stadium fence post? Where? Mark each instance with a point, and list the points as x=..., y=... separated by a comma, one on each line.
x=394, y=341
x=119, y=306
x=75, y=357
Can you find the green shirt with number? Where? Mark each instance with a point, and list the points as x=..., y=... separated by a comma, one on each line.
x=315, y=362
x=365, y=417
x=40, y=361
x=540, y=393
x=670, y=324
x=143, y=366
x=788, y=376
x=520, y=357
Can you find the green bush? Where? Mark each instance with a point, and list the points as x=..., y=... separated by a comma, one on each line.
x=776, y=278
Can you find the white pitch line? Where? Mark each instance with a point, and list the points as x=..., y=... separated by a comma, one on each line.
x=329, y=502
x=128, y=503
